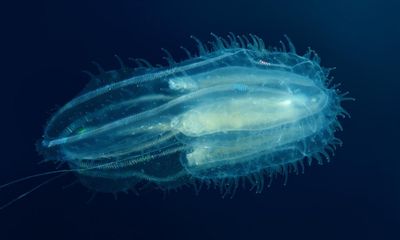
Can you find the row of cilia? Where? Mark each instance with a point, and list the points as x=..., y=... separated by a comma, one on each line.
x=232, y=41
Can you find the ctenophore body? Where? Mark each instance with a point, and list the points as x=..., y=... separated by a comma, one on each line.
x=234, y=112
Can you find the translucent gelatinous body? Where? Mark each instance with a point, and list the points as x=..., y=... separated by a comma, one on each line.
x=236, y=110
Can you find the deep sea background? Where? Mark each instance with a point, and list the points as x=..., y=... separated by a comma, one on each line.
x=46, y=44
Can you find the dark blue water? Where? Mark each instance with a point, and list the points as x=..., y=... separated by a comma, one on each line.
x=46, y=45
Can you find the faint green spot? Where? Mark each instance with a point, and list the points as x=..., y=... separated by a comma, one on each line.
x=82, y=130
